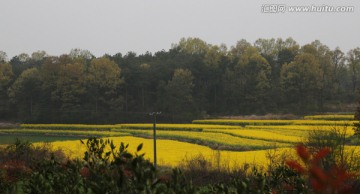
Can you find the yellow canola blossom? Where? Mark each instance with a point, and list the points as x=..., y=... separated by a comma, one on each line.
x=64, y=132
x=172, y=153
x=242, y=122
x=215, y=138
x=68, y=126
x=330, y=117
x=303, y=129
x=273, y=122
x=177, y=126
x=263, y=135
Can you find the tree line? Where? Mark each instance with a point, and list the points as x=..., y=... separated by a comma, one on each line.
x=191, y=80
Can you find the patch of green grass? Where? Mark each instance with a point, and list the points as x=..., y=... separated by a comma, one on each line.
x=214, y=140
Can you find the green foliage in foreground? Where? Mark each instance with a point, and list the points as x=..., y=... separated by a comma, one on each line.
x=106, y=168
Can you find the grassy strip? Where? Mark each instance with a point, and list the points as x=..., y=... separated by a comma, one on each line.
x=158, y=127
x=171, y=127
x=261, y=135
x=330, y=117
x=289, y=132
x=214, y=140
x=62, y=132
x=242, y=122
x=177, y=127
x=304, y=128
x=69, y=127
x=273, y=122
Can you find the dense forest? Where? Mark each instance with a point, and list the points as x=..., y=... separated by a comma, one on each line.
x=193, y=79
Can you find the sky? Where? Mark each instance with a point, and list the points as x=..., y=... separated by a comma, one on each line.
x=113, y=26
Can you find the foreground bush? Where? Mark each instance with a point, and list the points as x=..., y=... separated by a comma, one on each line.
x=106, y=168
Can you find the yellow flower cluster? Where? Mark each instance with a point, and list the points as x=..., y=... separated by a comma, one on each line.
x=263, y=135
x=242, y=122
x=172, y=153
x=273, y=122
x=303, y=130
x=177, y=126
x=64, y=132
x=220, y=139
x=68, y=126
x=330, y=117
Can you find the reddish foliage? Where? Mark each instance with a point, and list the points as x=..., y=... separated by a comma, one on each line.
x=128, y=173
x=321, y=154
x=296, y=166
x=335, y=180
x=165, y=178
x=14, y=170
x=85, y=172
x=303, y=152
x=319, y=175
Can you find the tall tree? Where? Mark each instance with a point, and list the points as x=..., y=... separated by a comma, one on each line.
x=301, y=81
x=353, y=58
x=250, y=82
x=25, y=91
x=103, y=78
x=80, y=53
x=38, y=55
x=338, y=64
x=192, y=46
x=70, y=88
x=6, y=76
x=179, y=97
x=3, y=57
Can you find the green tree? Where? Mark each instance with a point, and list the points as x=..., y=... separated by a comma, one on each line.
x=6, y=76
x=24, y=93
x=353, y=58
x=71, y=89
x=3, y=57
x=339, y=72
x=179, y=95
x=38, y=55
x=80, y=53
x=301, y=80
x=102, y=80
x=324, y=56
x=20, y=63
x=237, y=50
x=250, y=82
x=192, y=46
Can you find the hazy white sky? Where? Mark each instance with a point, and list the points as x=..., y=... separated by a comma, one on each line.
x=112, y=26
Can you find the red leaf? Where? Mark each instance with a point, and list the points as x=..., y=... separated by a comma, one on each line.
x=321, y=154
x=85, y=172
x=303, y=152
x=317, y=186
x=319, y=175
x=295, y=166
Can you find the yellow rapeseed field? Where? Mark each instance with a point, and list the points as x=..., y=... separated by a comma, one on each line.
x=263, y=135
x=303, y=129
x=64, y=132
x=242, y=122
x=172, y=153
x=176, y=126
x=214, y=138
x=273, y=122
x=330, y=117
x=68, y=126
